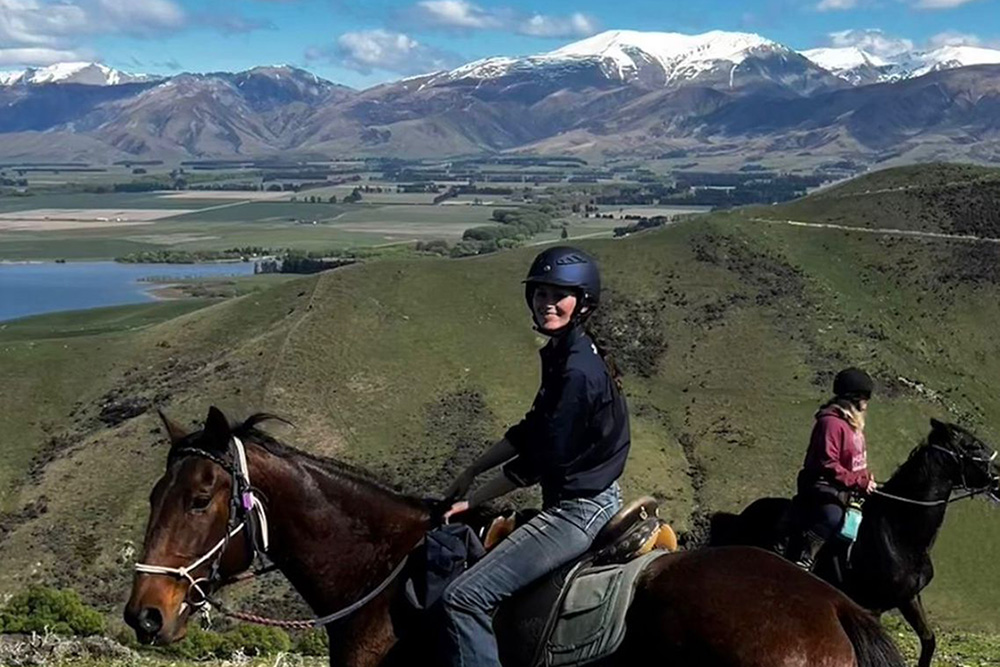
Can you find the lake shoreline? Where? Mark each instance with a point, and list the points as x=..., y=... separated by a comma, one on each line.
x=38, y=288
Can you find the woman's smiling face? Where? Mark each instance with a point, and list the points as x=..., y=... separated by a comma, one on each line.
x=553, y=306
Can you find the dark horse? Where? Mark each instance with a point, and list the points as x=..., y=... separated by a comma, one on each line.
x=890, y=563
x=336, y=534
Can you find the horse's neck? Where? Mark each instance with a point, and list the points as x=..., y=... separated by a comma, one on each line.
x=333, y=536
x=911, y=525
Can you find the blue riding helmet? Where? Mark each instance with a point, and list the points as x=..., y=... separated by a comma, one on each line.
x=566, y=267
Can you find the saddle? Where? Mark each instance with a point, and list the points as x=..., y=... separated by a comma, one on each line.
x=576, y=615
x=634, y=530
x=833, y=560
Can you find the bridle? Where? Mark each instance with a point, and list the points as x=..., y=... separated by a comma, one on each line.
x=992, y=488
x=246, y=514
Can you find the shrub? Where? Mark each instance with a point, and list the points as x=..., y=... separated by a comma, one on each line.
x=313, y=642
x=41, y=609
x=252, y=640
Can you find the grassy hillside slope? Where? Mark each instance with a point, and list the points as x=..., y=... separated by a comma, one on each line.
x=729, y=329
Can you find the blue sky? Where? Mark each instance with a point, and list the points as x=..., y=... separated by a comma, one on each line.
x=363, y=42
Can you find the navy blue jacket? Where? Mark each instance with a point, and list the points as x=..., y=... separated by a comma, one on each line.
x=575, y=439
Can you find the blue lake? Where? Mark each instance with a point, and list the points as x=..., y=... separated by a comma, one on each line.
x=32, y=289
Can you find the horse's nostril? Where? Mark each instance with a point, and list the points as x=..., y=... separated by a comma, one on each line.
x=150, y=620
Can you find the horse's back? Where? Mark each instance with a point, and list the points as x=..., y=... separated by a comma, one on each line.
x=738, y=606
x=760, y=524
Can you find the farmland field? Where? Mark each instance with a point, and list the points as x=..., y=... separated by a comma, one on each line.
x=84, y=226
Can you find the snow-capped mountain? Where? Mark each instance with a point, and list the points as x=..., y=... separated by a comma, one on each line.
x=613, y=93
x=656, y=59
x=952, y=57
x=856, y=66
x=717, y=58
x=681, y=57
x=90, y=74
x=9, y=77
x=860, y=67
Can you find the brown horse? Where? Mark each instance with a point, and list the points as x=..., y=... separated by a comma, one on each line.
x=336, y=534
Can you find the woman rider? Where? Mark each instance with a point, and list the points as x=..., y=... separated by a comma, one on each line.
x=573, y=441
x=836, y=465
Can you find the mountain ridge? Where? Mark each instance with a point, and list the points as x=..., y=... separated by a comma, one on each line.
x=604, y=96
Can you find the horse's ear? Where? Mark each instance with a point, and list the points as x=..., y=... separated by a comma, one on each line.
x=174, y=430
x=939, y=431
x=217, y=430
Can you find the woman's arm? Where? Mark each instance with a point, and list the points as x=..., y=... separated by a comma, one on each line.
x=836, y=449
x=499, y=452
x=499, y=485
x=496, y=486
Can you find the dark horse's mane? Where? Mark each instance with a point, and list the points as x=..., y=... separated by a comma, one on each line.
x=247, y=430
x=918, y=464
x=912, y=462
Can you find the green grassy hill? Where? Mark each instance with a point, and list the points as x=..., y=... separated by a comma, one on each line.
x=729, y=329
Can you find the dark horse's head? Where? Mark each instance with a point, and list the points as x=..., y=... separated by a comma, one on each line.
x=972, y=464
x=194, y=508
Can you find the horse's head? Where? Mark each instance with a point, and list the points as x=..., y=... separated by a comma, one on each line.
x=190, y=543
x=973, y=463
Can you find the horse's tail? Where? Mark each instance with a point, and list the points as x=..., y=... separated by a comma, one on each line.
x=872, y=645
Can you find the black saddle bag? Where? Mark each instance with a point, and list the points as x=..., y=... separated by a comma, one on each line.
x=445, y=553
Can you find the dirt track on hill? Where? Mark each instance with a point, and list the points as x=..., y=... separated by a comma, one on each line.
x=885, y=231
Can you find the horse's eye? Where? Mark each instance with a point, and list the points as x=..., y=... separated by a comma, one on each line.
x=200, y=503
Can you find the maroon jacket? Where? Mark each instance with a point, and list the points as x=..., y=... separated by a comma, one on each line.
x=837, y=452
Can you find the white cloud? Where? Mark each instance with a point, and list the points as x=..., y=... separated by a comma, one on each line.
x=941, y=4
x=41, y=32
x=890, y=47
x=575, y=25
x=39, y=56
x=954, y=38
x=463, y=16
x=370, y=50
x=46, y=31
x=454, y=14
x=28, y=22
x=836, y=5
x=874, y=41
x=141, y=15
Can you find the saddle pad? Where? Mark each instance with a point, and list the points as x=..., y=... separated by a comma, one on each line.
x=591, y=621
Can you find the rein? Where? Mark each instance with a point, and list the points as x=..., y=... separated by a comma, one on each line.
x=946, y=501
x=244, y=503
x=313, y=622
x=933, y=503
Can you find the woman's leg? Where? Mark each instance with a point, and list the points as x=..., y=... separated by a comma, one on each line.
x=823, y=521
x=554, y=537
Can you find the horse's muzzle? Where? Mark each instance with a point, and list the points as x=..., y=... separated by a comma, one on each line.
x=150, y=626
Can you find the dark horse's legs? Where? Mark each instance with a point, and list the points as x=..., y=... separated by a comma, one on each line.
x=913, y=612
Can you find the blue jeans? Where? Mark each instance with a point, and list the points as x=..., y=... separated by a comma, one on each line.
x=559, y=534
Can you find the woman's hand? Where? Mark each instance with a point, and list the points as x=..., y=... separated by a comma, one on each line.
x=871, y=486
x=460, y=487
x=457, y=508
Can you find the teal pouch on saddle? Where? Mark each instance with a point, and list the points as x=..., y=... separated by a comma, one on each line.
x=852, y=521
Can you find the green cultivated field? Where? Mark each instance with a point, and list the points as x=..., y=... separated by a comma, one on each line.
x=218, y=224
x=728, y=329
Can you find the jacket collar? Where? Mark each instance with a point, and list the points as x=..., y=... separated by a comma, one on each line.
x=560, y=346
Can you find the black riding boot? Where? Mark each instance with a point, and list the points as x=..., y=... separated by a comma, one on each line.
x=811, y=543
